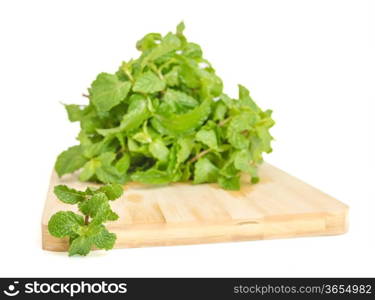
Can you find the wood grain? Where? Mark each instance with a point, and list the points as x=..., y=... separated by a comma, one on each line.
x=279, y=206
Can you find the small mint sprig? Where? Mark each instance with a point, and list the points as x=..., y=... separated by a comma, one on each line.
x=86, y=230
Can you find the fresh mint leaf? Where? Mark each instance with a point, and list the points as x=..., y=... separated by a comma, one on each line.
x=179, y=101
x=205, y=171
x=149, y=41
x=231, y=183
x=112, y=191
x=97, y=236
x=152, y=176
x=75, y=113
x=238, y=129
x=68, y=195
x=159, y=150
x=123, y=164
x=89, y=170
x=193, y=50
x=81, y=246
x=98, y=208
x=185, y=145
x=168, y=44
x=265, y=137
x=92, y=206
x=245, y=99
x=171, y=78
x=148, y=83
x=188, y=122
x=70, y=160
x=207, y=137
x=180, y=29
x=108, y=91
x=104, y=239
x=64, y=223
x=107, y=172
x=220, y=111
x=242, y=160
x=137, y=114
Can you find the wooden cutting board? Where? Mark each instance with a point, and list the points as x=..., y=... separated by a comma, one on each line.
x=279, y=206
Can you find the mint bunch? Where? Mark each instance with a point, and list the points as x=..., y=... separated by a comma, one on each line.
x=86, y=230
x=162, y=118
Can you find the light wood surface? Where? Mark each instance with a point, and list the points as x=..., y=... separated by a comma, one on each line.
x=279, y=206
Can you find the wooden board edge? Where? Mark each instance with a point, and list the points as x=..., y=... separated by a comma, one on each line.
x=273, y=228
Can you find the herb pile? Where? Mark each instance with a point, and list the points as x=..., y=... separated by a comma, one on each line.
x=88, y=230
x=162, y=118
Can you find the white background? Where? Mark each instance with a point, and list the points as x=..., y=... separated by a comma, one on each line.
x=310, y=61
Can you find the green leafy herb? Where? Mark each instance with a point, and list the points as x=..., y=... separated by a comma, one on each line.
x=108, y=91
x=70, y=160
x=164, y=117
x=86, y=230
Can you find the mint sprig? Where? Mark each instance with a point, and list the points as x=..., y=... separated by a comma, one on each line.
x=86, y=230
x=164, y=117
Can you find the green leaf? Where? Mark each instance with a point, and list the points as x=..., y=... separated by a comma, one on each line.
x=136, y=148
x=102, y=167
x=180, y=28
x=149, y=41
x=205, y=171
x=152, y=176
x=104, y=239
x=108, y=91
x=193, y=50
x=122, y=165
x=220, y=111
x=185, y=123
x=70, y=160
x=245, y=99
x=98, y=208
x=243, y=160
x=179, y=101
x=112, y=191
x=229, y=170
x=89, y=170
x=68, y=195
x=107, y=158
x=148, y=83
x=92, y=148
x=142, y=137
x=134, y=118
x=169, y=43
x=231, y=183
x=75, y=113
x=171, y=78
x=185, y=145
x=230, y=103
x=106, y=172
x=238, y=129
x=96, y=235
x=207, y=137
x=265, y=137
x=81, y=246
x=93, y=205
x=64, y=223
x=159, y=150
x=188, y=76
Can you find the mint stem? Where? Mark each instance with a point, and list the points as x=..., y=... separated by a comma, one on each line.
x=198, y=156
